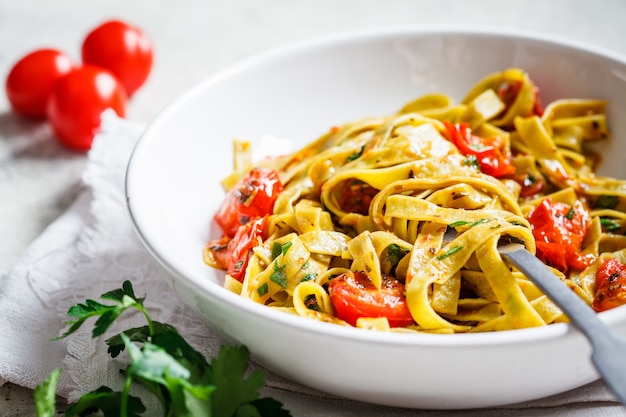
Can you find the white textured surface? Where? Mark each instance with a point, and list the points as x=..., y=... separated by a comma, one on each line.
x=38, y=178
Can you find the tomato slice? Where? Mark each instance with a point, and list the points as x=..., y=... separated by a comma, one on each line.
x=356, y=197
x=353, y=295
x=253, y=196
x=559, y=230
x=491, y=154
x=232, y=254
x=611, y=284
x=247, y=237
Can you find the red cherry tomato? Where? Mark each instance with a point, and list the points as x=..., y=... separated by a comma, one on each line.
x=32, y=78
x=232, y=254
x=490, y=153
x=77, y=101
x=559, y=230
x=354, y=296
x=121, y=48
x=611, y=284
x=252, y=197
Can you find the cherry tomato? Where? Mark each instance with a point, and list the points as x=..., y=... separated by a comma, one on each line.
x=559, y=230
x=530, y=185
x=247, y=237
x=232, y=254
x=611, y=284
x=121, y=48
x=30, y=81
x=77, y=101
x=490, y=153
x=253, y=196
x=356, y=197
x=353, y=295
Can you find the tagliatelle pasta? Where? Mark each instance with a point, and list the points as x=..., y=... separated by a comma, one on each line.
x=393, y=223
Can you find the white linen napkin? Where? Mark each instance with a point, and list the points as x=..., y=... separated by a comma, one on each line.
x=92, y=248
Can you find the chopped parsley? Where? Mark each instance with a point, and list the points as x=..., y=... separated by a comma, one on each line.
x=263, y=289
x=396, y=253
x=356, y=155
x=609, y=225
x=570, y=214
x=278, y=249
x=279, y=276
x=459, y=223
x=466, y=223
x=450, y=252
x=607, y=201
x=310, y=301
x=471, y=161
x=308, y=277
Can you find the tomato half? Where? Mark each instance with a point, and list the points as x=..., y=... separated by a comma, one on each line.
x=490, y=153
x=559, y=230
x=77, y=101
x=123, y=49
x=611, y=285
x=353, y=295
x=31, y=80
x=232, y=254
x=253, y=196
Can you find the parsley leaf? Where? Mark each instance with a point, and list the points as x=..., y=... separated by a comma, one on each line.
x=452, y=251
x=45, y=395
x=181, y=378
x=609, y=225
x=279, y=276
x=125, y=297
x=107, y=401
x=471, y=161
x=607, y=201
x=396, y=253
x=233, y=391
x=278, y=249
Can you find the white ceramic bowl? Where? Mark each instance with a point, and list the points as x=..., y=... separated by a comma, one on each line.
x=298, y=92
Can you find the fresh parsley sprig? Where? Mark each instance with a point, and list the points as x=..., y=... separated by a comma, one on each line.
x=180, y=377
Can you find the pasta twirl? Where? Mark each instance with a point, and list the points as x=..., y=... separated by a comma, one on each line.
x=392, y=223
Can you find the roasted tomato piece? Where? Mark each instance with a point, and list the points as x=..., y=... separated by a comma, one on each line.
x=353, y=295
x=232, y=254
x=490, y=153
x=611, y=284
x=252, y=197
x=559, y=230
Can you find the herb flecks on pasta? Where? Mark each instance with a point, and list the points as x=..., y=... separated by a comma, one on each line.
x=393, y=223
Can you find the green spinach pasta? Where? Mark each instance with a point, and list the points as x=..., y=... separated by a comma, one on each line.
x=393, y=222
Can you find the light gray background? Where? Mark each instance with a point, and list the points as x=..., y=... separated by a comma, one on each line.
x=193, y=39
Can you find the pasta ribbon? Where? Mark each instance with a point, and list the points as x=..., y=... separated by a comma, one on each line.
x=405, y=215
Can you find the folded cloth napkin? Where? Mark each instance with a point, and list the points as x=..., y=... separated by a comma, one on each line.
x=92, y=248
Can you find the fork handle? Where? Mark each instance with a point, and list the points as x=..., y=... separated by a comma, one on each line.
x=609, y=348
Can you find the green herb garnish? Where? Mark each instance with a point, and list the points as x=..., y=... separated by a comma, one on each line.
x=471, y=161
x=280, y=249
x=263, y=289
x=609, y=224
x=396, y=253
x=356, y=155
x=184, y=382
x=452, y=251
x=308, y=277
x=279, y=276
x=607, y=201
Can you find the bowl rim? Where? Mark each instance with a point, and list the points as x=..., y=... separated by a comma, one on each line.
x=220, y=294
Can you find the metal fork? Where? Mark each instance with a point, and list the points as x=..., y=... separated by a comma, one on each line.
x=609, y=347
